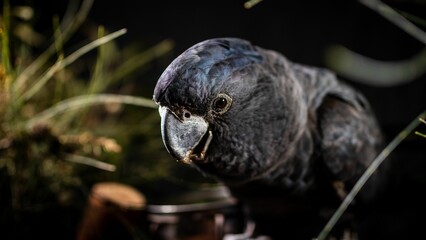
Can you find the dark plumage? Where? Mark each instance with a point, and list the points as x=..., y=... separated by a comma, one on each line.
x=280, y=135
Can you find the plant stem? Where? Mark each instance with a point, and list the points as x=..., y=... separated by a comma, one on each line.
x=90, y=162
x=367, y=174
x=86, y=101
x=62, y=63
x=4, y=33
x=396, y=18
x=135, y=62
x=67, y=31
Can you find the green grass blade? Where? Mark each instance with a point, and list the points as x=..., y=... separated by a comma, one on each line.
x=65, y=62
x=98, y=75
x=135, y=62
x=419, y=133
x=90, y=162
x=396, y=18
x=28, y=73
x=4, y=33
x=87, y=101
x=367, y=174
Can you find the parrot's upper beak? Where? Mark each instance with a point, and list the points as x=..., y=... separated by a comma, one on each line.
x=186, y=140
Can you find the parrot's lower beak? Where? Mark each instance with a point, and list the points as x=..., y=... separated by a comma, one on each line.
x=186, y=140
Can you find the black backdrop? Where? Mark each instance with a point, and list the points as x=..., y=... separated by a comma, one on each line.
x=301, y=30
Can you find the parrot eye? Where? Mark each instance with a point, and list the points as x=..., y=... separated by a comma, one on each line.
x=221, y=103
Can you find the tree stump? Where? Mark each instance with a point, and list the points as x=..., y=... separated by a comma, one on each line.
x=114, y=211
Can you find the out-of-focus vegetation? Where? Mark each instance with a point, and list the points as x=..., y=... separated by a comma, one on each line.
x=419, y=133
x=70, y=116
x=374, y=72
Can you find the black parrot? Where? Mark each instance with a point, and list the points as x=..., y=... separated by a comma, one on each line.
x=287, y=139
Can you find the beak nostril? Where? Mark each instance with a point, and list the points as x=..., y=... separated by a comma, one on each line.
x=182, y=135
x=187, y=114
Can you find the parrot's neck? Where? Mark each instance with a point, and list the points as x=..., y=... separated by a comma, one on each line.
x=291, y=188
x=291, y=177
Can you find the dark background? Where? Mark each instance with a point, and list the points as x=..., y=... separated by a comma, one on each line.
x=302, y=30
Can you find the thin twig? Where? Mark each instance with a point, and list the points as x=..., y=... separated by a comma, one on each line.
x=367, y=174
x=88, y=100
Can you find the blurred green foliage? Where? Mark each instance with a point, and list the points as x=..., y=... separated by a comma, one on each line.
x=69, y=119
x=419, y=133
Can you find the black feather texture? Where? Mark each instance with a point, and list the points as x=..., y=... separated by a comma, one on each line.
x=291, y=132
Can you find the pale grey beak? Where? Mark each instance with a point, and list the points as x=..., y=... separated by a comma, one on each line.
x=186, y=139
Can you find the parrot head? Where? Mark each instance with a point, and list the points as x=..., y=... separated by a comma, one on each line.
x=225, y=109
